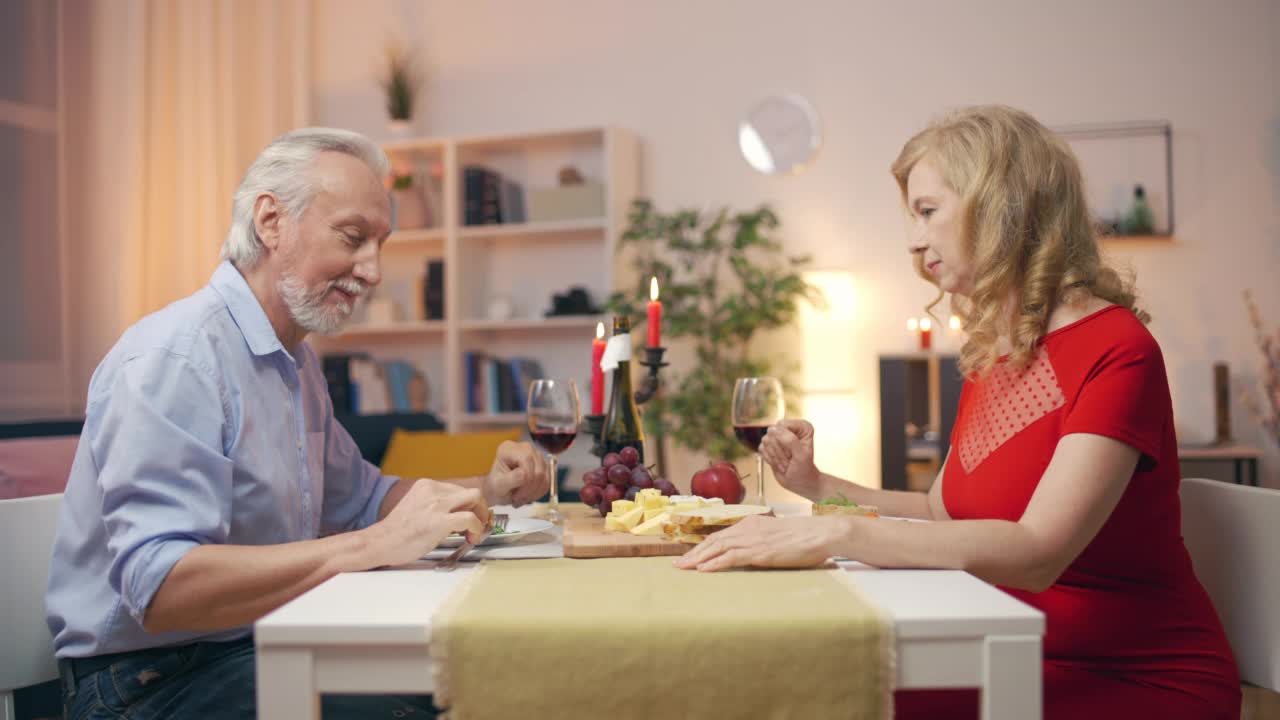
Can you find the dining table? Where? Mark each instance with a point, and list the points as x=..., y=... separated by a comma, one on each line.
x=370, y=632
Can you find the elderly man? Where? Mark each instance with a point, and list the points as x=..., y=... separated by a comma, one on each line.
x=212, y=484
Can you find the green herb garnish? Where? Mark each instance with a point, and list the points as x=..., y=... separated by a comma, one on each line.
x=838, y=499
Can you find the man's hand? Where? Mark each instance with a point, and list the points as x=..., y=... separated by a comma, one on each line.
x=426, y=514
x=788, y=448
x=519, y=475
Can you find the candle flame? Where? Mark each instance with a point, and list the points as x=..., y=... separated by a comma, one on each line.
x=926, y=324
x=955, y=322
x=599, y=330
x=912, y=324
x=653, y=288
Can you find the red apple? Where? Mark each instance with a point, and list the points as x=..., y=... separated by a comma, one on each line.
x=720, y=480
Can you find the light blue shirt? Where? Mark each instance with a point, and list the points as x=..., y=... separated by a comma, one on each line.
x=200, y=428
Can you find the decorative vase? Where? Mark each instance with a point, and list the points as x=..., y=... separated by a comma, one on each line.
x=400, y=129
x=409, y=209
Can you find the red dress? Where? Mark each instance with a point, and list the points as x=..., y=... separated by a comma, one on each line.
x=1130, y=632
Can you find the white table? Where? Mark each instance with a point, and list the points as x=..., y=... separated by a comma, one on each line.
x=369, y=633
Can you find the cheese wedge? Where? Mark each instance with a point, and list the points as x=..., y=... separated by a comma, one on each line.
x=651, y=526
x=621, y=507
x=651, y=513
x=631, y=518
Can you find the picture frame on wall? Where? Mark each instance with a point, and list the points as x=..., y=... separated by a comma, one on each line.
x=1128, y=174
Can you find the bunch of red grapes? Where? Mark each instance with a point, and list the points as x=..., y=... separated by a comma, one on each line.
x=620, y=476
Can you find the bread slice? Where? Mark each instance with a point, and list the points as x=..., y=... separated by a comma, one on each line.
x=832, y=509
x=692, y=526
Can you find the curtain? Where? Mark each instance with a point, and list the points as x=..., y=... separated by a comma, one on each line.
x=170, y=101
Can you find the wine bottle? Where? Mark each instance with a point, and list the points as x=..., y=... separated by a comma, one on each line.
x=622, y=427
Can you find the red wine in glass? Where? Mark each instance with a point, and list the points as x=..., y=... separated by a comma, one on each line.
x=554, y=441
x=750, y=435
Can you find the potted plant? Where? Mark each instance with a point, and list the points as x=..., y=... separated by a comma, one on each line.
x=400, y=80
x=724, y=278
x=408, y=203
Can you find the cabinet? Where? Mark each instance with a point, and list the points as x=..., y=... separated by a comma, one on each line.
x=499, y=278
x=919, y=395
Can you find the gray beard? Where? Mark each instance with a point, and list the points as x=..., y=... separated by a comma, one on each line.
x=307, y=305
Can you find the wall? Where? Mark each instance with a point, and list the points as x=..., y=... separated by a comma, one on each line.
x=682, y=74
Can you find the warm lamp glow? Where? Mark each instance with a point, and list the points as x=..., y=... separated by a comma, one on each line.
x=913, y=324
x=955, y=322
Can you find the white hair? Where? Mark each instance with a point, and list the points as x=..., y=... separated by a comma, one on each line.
x=282, y=168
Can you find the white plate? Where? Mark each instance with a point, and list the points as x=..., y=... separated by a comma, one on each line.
x=516, y=529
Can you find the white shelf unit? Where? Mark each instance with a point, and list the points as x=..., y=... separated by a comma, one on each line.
x=525, y=263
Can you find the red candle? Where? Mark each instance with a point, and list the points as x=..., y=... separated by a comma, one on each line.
x=597, y=375
x=926, y=333
x=655, y=315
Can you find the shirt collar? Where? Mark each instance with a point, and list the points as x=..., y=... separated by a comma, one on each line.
x=247, y=312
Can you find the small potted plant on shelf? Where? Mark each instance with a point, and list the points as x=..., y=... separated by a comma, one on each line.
x=400, y=80
x=408, y=204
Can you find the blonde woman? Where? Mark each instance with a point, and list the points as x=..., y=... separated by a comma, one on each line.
x=1061, y=486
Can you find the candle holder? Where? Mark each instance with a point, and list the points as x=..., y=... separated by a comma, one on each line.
x=593, y=425
x=653, y=361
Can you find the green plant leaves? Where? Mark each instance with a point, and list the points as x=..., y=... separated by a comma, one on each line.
x=724, y=277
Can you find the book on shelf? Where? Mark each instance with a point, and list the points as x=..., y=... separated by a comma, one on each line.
x=360, y=385
x=433, y=291
x=481, y=190
x=370, y=393
x=497, y=385
x=337, y=375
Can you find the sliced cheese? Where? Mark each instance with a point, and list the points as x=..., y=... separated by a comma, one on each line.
x=651, y=526
x=651, y=513
x=631, y=518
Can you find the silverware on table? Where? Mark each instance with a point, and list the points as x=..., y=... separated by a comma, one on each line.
x=451, y=562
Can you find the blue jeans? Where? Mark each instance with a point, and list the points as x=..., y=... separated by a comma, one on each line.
x=203, y=681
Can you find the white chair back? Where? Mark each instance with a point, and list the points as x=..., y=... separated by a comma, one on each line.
x=27, y=528
x=1233, y=535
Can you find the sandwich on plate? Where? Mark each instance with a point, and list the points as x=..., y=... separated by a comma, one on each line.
x=694, y=525
x=841, y=505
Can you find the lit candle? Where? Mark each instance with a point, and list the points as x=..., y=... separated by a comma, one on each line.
x=926, y=333
x=655, y=314
x=597, y=375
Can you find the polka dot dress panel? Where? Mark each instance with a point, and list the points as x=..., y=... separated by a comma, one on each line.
x=1008, y=401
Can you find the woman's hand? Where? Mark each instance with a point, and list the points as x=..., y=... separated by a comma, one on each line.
x=426, y=514
x=757, y=541
x=788, y=448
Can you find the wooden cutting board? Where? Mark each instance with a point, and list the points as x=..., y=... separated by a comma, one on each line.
x=587, y=538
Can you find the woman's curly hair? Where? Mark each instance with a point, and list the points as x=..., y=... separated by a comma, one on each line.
x=1025, y=223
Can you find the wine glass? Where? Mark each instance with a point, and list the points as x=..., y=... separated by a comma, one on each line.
x=554, y=414
x=757, y=404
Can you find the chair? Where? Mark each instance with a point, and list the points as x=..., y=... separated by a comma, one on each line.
x=27, y=528
x=1233, y=535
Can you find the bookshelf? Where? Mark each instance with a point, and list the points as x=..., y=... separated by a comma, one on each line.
x=521, y=265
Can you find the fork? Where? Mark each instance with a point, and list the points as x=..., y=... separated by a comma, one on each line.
x=451, y=562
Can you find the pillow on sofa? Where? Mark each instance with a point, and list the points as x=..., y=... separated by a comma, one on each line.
x=440, y=455
x=36, y=465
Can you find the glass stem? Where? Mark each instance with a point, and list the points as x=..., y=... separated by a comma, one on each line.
x=554, y=505
x=760, y=477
